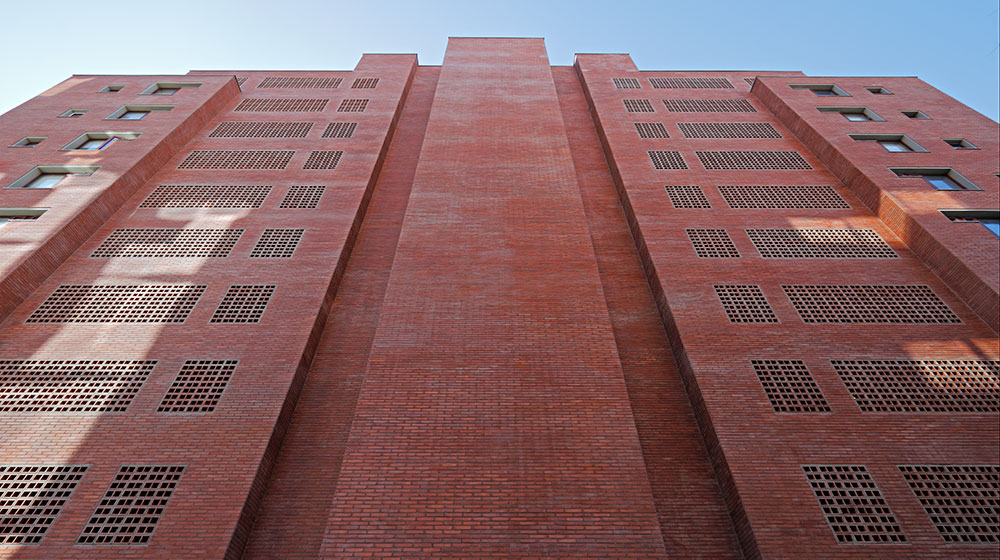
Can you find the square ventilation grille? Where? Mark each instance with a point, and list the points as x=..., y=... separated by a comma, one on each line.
x=207, y=196
x=782, y=196
x=922, y=386
x=664, y=159
x=162, y=242
x=243, y=304
x=708, y=106
x=820, y=244
x=31, y=498
x=261, y=130
x=651, y=130
x=638, y=106
x=745, y=303
x=853, y=504
x=365, y=83
x=81, y=386
x=76, y=303
x=869, y=304
x=353, y=106
x=198, y=386
x=302, y=196
x=323, y=159
x=626, y=83
x=132, y=505
x=963, y=501
x=752, y=160
x=712, y=243
x=729, y=130
x=687, y=196
x=340, y=130
x=282, y=82
x=237, y=159
x=281, y=105
x=690, y=83
x=277, y=243
x=789, y=386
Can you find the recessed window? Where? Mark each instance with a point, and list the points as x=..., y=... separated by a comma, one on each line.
x=97, y=141
x=822, y=90
x=28, y=142
x=854, y=114
x=8, y=215
x=989, y=219
x=915, y=114
x=45, y=180
x=890, y=142
x=110, y=89
x=960, y=144
x=168, y=88
x=136, y=112
x=48, y=176
x=941, y=178
x=878, y=90
x=73, y=113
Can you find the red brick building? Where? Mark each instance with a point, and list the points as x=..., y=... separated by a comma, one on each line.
x=498, y=309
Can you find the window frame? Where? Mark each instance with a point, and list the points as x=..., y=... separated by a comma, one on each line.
x=927, y=173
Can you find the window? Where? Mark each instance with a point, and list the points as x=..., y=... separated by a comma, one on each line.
x=168, y=88
x=941, y=178
x=960, y=144
x=166, y=91
x=28, y=142
x=990, y=219
x=854, y=114
x=96, y=141
x=45, y=181
x=890, y=142
x=73, y=113
x=133, y=115
x=48, y=176
x=915, y=115
x=19, y=214
x=110, y=89
x=822, y=90
x=878, y=90
x=136, y=112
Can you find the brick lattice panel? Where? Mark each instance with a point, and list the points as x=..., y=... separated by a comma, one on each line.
x=261, y=130
x=207, y=196
x=237, y=159
x=869, y=304
x=687, y=196
x=340, y=130
x=665, y=159
x=365, y=83
x=820, y=244
x=353, y=106
x=752, y=160
x=638, y=106
x=302, y=196
x=77, y=303
x=963, y=501
x=782, y=196
x=853, y=505
x=750, y=81
x=626, y=83
x=132, y=505
x=709, y=106
x=728, y=130
x=165, y=242
x=651, y=130
x=31, y=497
x=690, y=83
x=277, y=243
x=745, y=304
x=281, y=105
x=922, y=386
x=323, y=159
x=198, y=386
x=789, y=386
x=712, y=243
x=282, y=82
x=243, y=304
x=70, y=386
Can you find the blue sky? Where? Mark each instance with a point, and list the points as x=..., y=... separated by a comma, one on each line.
x=955, y=46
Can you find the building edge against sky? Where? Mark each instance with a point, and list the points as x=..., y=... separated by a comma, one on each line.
x=498, y=309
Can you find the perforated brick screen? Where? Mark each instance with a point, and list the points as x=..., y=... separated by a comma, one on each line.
x=782, y=196
x=243, y=304
x=163, y=242
x=132, y=505
x=820, y=244
x=365, y=83
x=626, y=83
x=752, y=160
x=261, y=130
x=277, y=243
x=789, y=386
x=70, y=386
x=651, y=130
x=709, y=106
x=282, y=82
x=302, y=196
x=750, y=81
x=638, y=106
x=712, y=243
x=340, y=130
x=963, y=501
x=664, y=159
x=352, y=106
x=77, y=303
x=853, y=505
x=31, y=497
x=240, y=80
x=728, y=130
x=869, y=304
x=237, y=159
x=207, y=196
x=198, y=386
x=281, y=105
x=323, y=159
x=745, y=304
x=690, y=83
x=687, y=196
x=952, y=386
